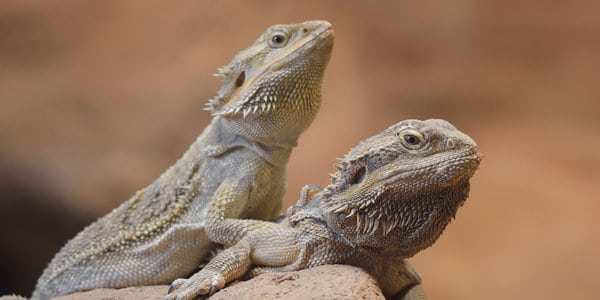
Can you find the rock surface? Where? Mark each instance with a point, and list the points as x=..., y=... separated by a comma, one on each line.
x=323, y=282
x=137, y=292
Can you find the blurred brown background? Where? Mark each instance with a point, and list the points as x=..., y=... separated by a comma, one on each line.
x=99, y=97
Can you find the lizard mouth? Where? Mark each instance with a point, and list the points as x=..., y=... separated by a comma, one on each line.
x=262, y=94
x=446, y=170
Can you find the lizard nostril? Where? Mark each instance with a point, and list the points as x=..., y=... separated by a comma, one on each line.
x=305, y=30
x=450, y=143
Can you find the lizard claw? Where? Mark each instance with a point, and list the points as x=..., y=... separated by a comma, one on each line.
x=175, y=285
x=213, y=289
x=204, y=282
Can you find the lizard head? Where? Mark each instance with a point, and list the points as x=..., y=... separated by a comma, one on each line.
x=396, y=191
x=271, y=91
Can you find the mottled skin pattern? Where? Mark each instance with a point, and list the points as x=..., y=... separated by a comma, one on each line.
x=393, y=196
x=270, y=94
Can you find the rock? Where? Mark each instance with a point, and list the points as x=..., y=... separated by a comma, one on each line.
x=153, y=292
x=323, y=282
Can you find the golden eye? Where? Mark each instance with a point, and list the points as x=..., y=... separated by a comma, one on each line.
x=411, y=139
x=278, y=40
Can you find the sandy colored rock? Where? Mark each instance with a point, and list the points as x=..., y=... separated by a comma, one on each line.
x=324, y=282
x=136, y=292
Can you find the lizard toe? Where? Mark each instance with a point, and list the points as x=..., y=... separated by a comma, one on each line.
x=176, y=284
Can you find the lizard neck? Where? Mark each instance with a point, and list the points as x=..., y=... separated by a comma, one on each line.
x=220, y=140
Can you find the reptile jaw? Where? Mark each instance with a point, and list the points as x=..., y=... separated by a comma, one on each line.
x=264, y=106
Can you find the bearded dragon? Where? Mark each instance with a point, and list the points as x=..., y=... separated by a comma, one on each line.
x=393, y=196
x=270, y=94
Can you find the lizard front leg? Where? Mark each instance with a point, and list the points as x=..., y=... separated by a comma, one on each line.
x=399, y=280
x=267, y=247
x=229, y=265
x=224, y=212
x=306, y=194
x=223, y=226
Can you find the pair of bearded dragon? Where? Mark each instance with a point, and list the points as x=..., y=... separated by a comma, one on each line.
x=393, y=195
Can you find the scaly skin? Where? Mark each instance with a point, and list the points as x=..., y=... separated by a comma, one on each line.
x=393, y=196
x=270, y=94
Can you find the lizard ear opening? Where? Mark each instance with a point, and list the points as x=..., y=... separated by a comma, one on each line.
x=240, y=79
x=359, y=176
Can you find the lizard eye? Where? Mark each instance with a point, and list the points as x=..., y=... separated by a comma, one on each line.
x=277, y=40
x=411, y=139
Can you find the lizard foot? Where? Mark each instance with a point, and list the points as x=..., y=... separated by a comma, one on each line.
x=205, y=282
